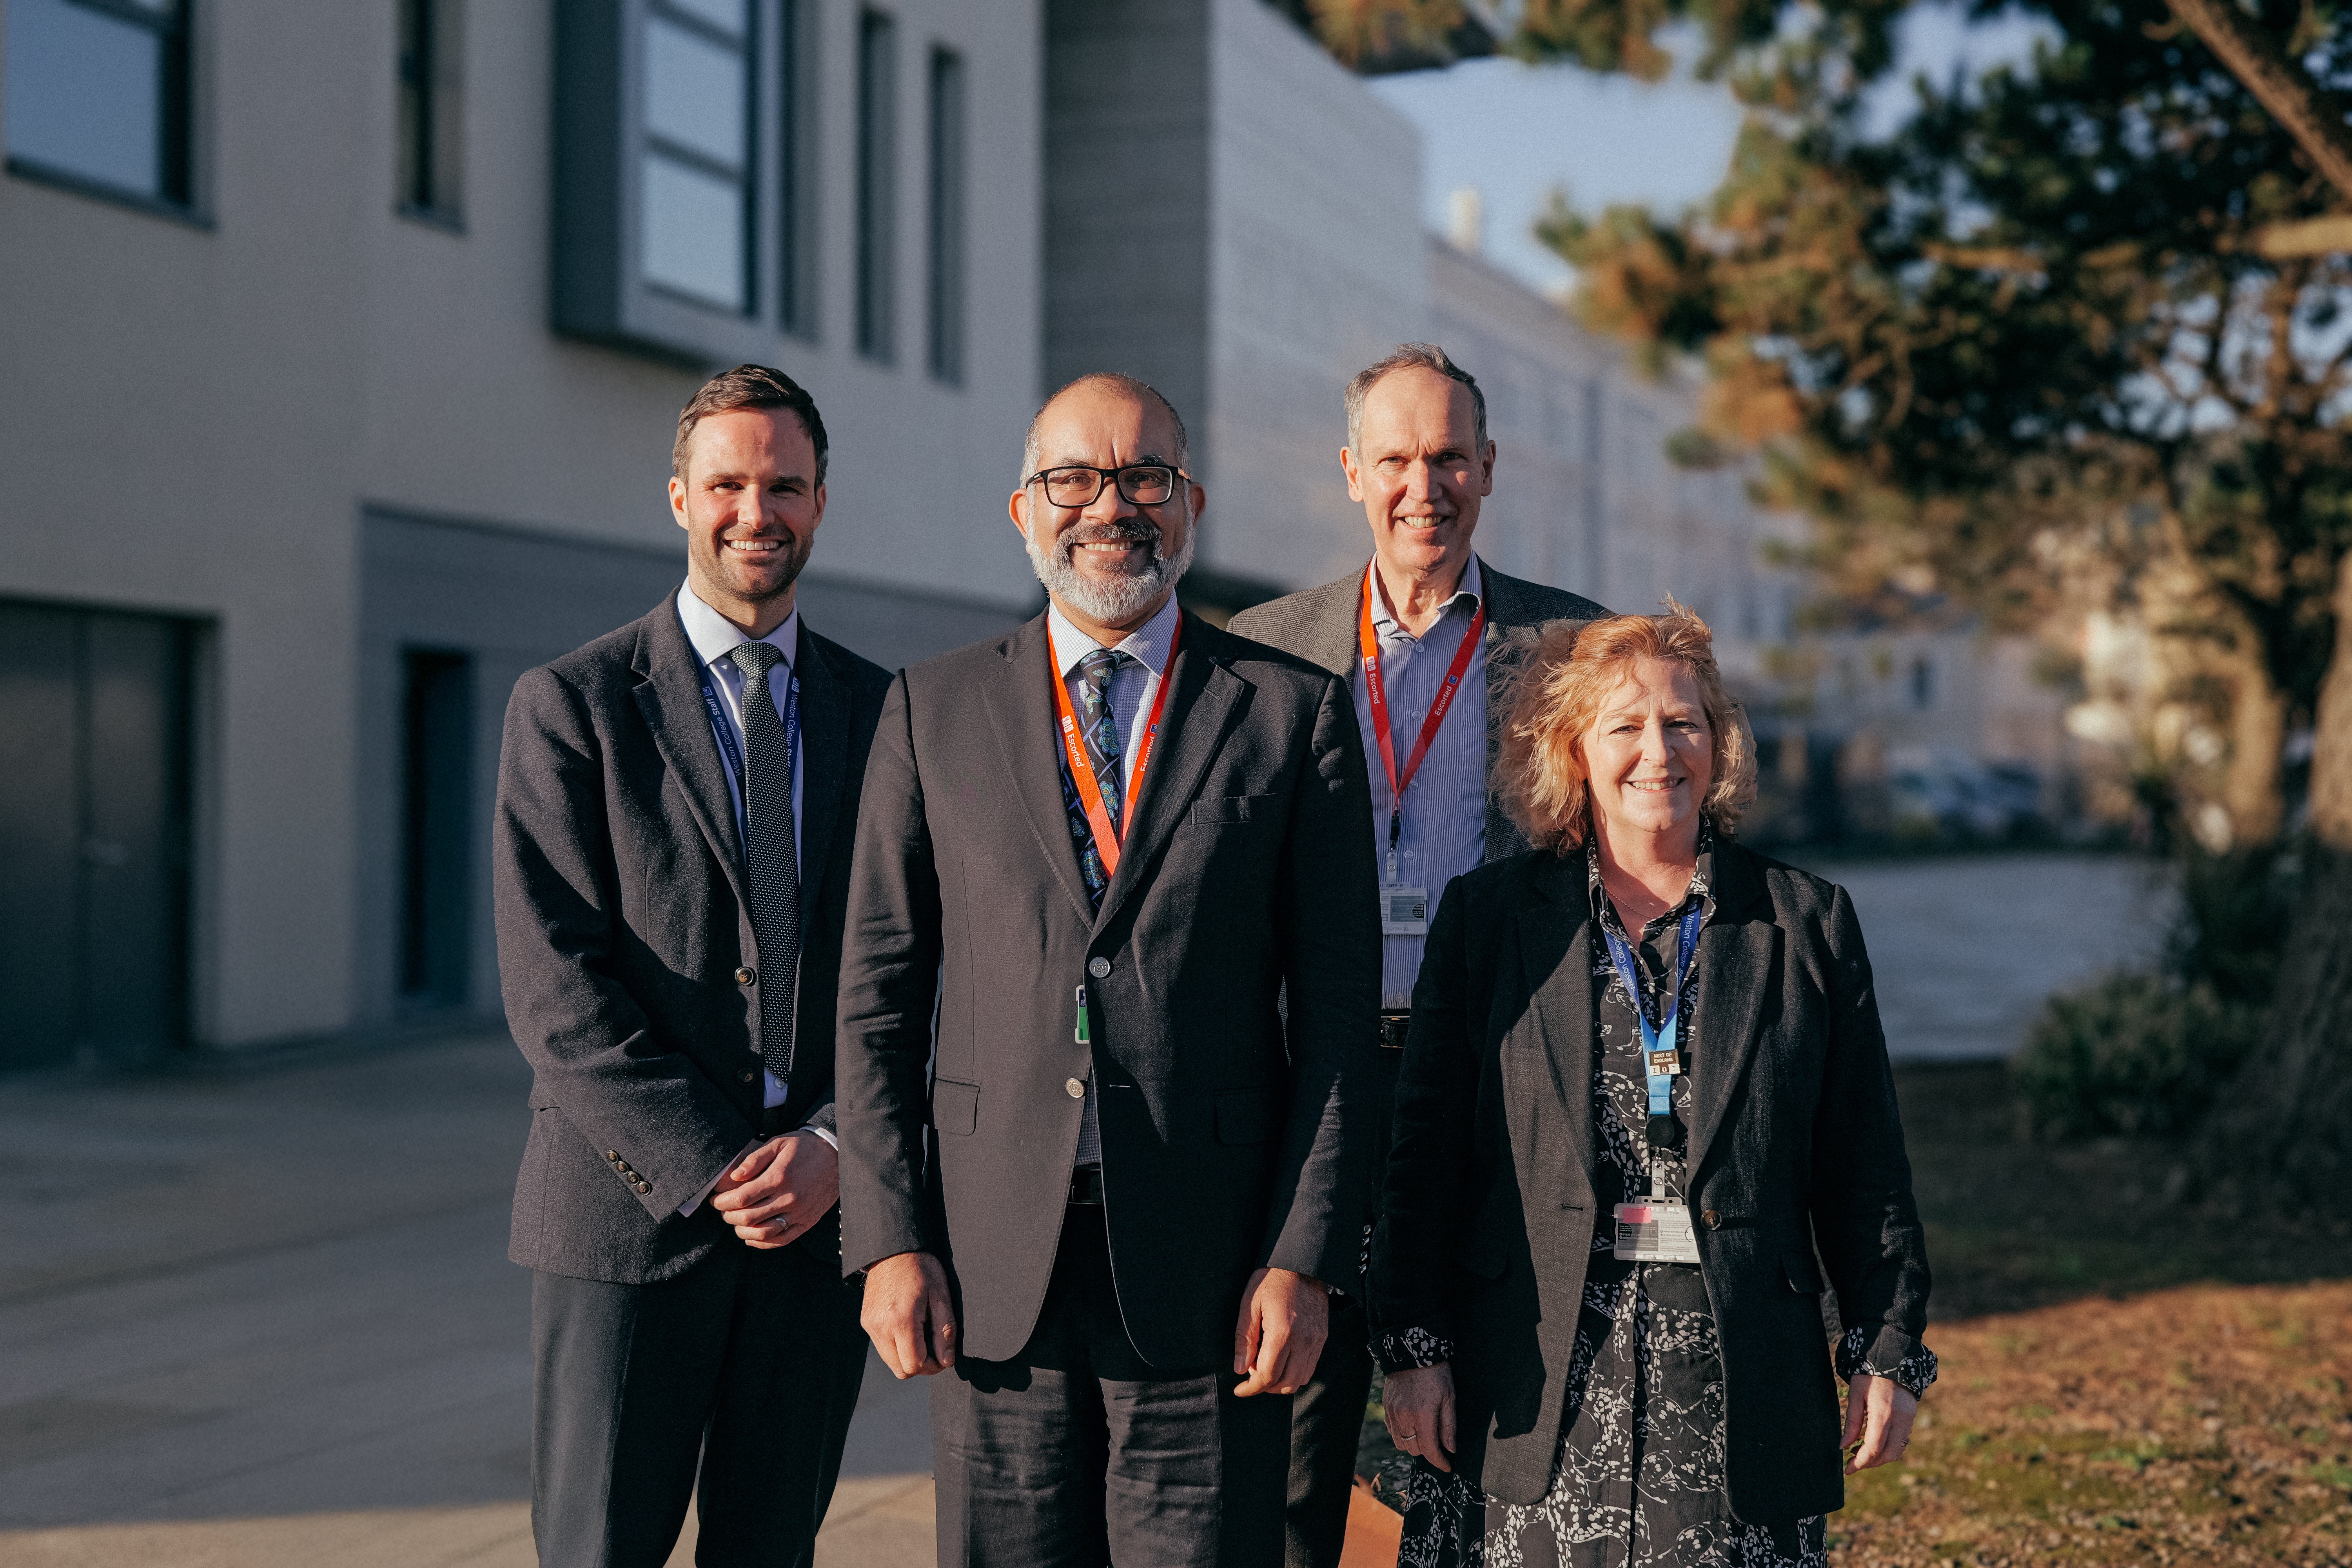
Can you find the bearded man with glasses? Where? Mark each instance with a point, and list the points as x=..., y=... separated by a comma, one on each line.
x=1093, y=856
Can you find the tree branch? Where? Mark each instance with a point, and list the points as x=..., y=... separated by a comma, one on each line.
x=2308, y=113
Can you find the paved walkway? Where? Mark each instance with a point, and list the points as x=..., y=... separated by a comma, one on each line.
x=261, y=1313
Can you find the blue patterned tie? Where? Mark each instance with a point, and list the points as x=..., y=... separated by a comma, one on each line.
x=1099, y=731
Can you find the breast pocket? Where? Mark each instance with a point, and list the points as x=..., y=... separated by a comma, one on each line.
x=1227, y=810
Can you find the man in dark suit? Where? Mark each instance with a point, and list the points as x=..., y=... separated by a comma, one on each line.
x=1430, y=637
x=676, y=808
x=1101, y=847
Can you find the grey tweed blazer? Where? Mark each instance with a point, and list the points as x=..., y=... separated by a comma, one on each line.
x=1320, y=626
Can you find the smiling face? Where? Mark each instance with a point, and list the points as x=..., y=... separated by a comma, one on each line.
x=1649, y=753
x=1109, y=564
x=1420, y=473
x=750, y=502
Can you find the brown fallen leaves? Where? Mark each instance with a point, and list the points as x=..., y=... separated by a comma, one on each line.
x=2208, y=1424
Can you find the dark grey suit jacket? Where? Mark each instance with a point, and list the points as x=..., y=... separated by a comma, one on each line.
x=1321, y=626
x=1488, y=1211
x=618, y=880
x=1248, y=864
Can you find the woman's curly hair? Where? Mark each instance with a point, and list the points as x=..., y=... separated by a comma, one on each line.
x=1570, y=672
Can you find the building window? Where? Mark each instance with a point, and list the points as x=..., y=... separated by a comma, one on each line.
x=695, y=217
x=436, y=827
x=1923, y=683
x=98, y=95
x=796, y=169
x=946, y=280
x=877, y=109
x=430, y=102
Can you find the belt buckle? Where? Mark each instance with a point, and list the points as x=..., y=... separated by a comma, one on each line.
x=1086, y=1185
x=1394, y=1027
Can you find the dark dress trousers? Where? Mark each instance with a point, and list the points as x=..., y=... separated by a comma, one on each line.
x=1226, y=1144
x=1321, y=625
x=630, y=979
x=1488, y=1213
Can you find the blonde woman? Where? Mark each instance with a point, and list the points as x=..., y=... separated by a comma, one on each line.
x=1644, y=1109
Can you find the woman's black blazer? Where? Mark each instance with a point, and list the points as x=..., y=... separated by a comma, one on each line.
x=1488, y=1213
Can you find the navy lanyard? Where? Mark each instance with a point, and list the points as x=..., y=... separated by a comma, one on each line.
x=724, y=728
x=1660, y=1041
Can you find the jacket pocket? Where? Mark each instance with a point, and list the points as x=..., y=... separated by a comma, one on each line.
x=1245, y=1116
x=1804, y=1274
x=1484, y=1257
x=1219, y=809
x=955, y=1107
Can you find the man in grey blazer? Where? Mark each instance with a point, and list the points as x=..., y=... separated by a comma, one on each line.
x=1430, y=699
x=676, y=806
x=1098, y=851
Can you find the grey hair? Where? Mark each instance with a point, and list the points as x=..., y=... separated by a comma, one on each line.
x=1407, y=356
x=1139, y=390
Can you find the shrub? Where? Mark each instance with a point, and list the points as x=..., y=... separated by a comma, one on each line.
x=2130, y=1054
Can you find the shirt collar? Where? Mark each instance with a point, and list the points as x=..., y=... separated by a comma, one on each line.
x=1147, y=644
x=715, y=637
x=1700, y=891
x=1468, y=593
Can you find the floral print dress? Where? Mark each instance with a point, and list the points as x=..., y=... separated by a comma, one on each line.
x=1638, y=1482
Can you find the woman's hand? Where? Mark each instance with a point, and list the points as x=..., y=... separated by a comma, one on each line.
x=1419, y=1405
x=1887, y=1406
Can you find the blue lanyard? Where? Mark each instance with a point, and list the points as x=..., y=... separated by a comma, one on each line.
x=1662, y=1038
x=724, y=728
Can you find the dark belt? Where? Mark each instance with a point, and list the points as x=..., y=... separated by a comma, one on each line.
x=1086, y=1184
x=1393, y=1027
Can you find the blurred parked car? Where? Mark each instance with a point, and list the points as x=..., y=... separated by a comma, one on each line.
x=1948, y=797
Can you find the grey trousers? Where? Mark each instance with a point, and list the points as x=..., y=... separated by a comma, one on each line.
x=1075, y=1453
x=1326, y=1422
x=746, y=1366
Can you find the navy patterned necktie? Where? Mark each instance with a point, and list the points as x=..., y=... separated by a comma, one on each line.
x=1099, y=731
x=770, y=858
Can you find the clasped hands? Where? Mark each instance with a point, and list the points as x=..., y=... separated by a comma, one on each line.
x=1278, y=1340
x=1418, y=1404
x=775, y=1192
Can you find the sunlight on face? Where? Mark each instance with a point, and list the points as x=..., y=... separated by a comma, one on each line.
x=1649, y=750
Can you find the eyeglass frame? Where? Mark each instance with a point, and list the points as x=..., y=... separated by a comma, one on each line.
x=1176, y=471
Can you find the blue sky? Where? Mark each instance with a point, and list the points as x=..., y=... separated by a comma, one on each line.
x=1516, y=132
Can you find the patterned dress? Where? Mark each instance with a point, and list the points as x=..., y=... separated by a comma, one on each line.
x=1638, y=1482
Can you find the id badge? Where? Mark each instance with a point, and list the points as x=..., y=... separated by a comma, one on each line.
x=1655, y=1230
x=1405, y=911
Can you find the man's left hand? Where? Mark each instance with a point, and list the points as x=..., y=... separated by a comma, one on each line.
x=1284, y=1318
x=1878, y=1412
x=773, y=1195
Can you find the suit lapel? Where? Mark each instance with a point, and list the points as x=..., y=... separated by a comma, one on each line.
x=1021, y=709
x=1555, y=955
x=1736, y=955
x=1332, y=632
x=825, y=759
x=1201, y=704
x=669, y=696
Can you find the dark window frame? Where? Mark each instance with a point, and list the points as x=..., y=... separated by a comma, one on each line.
x=175, y=193
x=799, y=49
x=429, y=80
x=947, y=211
x=878, y=186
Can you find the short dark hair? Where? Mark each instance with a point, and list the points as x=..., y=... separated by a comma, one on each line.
x=1139, y=390
x=1408, y=356
x=749, y=386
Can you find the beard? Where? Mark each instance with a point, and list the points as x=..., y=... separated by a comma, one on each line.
x=794, y=553
x=1111, y=601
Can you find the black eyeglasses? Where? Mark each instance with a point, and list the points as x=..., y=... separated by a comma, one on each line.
x=1074, y=484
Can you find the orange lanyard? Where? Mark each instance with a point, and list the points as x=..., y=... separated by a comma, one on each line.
x=1369, y=643
x=1082, y=771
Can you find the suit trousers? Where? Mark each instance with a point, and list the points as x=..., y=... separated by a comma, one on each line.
x=1326, y=1415
x=746, y=1365
x=1076, y=1453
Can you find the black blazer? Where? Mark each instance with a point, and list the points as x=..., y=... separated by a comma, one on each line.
x=618, y=881
x=1248, y=864
x=1321, y=625
x=1488, y=1210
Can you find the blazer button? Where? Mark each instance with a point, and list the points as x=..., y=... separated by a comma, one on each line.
x=613, y=1155
x=1098, y=967
x=1714, y=1220
x=750, y=1076
x=744, y=977
x=1074, y=1088
x=644, y=1187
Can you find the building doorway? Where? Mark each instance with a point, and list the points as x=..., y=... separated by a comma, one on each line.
x=94, y=833
x=436, y=828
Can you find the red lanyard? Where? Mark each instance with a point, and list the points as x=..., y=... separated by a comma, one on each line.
x=1369, y=643
x=1082, y=771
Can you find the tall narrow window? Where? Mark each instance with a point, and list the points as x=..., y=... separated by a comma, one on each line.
x=796, y=170
x=694, y=213
x=946, y=289
x=436, y=827
x=97, y=94
x=430, y=100
x=878, y=189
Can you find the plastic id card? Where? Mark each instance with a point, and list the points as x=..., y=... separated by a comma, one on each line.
x=1405, y=911
x=1655, y=1230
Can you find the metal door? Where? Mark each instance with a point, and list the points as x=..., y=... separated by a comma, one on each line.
x=93, y=835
